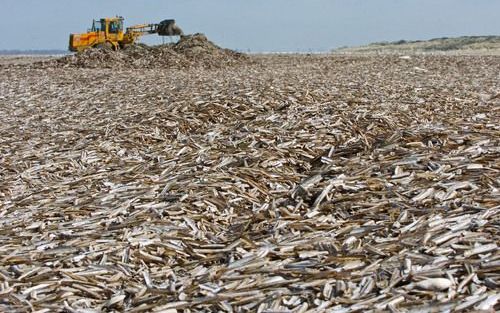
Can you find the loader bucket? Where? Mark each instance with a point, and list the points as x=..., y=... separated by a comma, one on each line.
x=169, y=28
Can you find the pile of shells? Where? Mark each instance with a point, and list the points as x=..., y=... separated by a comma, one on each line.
x=293, y=184
x=190, y=51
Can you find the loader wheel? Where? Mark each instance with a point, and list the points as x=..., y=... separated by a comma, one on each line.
x=105, y=46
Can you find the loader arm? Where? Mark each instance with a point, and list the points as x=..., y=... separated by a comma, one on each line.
x=164, y=28
x=133, y=33
x=143, y=29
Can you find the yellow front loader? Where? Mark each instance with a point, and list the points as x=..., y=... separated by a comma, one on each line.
x=108, y=33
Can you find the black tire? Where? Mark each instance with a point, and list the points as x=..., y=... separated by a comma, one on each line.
x=125, y=46
x=105, y=46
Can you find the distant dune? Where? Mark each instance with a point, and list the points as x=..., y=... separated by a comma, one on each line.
x=33, y=52
x=461, y=45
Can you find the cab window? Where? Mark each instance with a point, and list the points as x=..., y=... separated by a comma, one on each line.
x=115, y=27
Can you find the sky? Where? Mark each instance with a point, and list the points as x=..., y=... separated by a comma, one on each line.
x=255, y=25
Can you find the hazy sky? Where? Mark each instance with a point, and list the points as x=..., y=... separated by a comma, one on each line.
x=255, y=25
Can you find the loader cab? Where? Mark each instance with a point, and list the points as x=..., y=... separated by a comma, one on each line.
x=107, y=25
x=115, y=25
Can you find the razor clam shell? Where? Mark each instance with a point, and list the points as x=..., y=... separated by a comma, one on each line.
x=292, y=183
